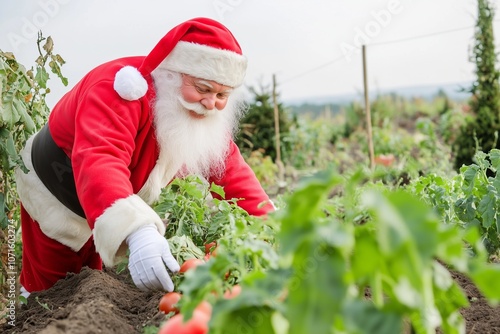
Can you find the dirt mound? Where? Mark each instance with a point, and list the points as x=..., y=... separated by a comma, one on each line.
x=104, y=302
x=90, y=302
x=480, y=317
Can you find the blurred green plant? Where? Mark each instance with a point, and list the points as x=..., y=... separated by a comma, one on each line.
x=329, y=251
x=264, y=168
x=471, y=198
x=308, y=143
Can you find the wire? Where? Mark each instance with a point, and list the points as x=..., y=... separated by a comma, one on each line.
x=426, y=35
x=378, y=44
x=313, y=70
x=421, y=36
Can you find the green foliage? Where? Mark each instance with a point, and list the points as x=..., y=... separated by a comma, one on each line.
x=22, y=112
x=185, y=205
x=354, y=118
x=471, y=198
x=244, y=243
x=308, y=267
x=307, y=143
x=257, y=130
x=314, y=111
x=264, y=168
x=416, y=131
x=481, y=133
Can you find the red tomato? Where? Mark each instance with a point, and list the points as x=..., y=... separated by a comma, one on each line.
x=385, y=160
x=209, y=246
x=190, y=263
x=198, y=324
x=214, y=251
x=205, y=308
x=168, y=302
x=232, y=292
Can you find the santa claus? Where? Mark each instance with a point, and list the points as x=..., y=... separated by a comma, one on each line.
x=116, y=139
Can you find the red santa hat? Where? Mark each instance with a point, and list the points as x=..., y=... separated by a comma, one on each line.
x=200, y=47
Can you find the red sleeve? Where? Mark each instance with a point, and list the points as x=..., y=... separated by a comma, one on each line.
x=240, y=182
x=105, y=130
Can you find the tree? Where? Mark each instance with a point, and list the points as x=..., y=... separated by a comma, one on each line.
x=257, y=126
x=481, y=132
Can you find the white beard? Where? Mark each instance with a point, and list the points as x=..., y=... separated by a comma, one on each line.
x=191, y=145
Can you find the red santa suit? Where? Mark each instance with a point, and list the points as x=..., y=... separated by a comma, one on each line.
x=105, y=127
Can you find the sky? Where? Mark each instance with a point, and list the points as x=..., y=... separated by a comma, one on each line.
x=313, y=47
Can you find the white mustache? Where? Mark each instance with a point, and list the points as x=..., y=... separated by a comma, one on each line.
x=197, y=107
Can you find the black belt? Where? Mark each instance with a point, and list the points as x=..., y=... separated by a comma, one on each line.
x=54, y=169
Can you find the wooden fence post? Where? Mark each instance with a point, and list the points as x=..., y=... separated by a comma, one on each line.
x=368, y=112
x=279, y=163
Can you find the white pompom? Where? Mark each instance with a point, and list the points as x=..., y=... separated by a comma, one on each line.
x=130, y=84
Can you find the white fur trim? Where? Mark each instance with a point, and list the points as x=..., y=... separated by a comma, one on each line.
x=111, y=228
x=130, y=84
x=55, y=220
x=222, y=66
x=163, y=172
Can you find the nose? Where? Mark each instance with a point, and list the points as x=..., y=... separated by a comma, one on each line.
x=209, y=101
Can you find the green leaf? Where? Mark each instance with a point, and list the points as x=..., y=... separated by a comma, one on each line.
x=317, y=288
x=56, y=69
x=487, y=279
x=4, y=221
x=488, y=208
x=364, y=318
x=183, y=248
x=480, y=158
x=465, y=209
x=9, y=114
x=367, y=259
x=218, y=190
x=299, y=216
x=392, y=232
x=495, y=159
x=26, y=119
x=255, y=320
x=258, y=289
x=469, y=173
x=42, y=77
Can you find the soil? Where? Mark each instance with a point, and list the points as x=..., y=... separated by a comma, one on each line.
x=480, y=317
x=104, y=302
x=92, y=301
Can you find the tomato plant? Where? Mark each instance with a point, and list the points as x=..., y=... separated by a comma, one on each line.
x=205, y=307
x=23, y=111
x=314, y=282
x=232, y=292
x=168, y=303
x=209, y=247
x=198, y=324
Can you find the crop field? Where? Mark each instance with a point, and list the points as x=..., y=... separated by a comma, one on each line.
x=374, y=232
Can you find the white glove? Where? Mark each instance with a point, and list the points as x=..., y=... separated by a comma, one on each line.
x=149, y=250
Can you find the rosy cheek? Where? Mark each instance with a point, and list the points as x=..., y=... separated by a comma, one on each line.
x=190, y=95
x=220, y=104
